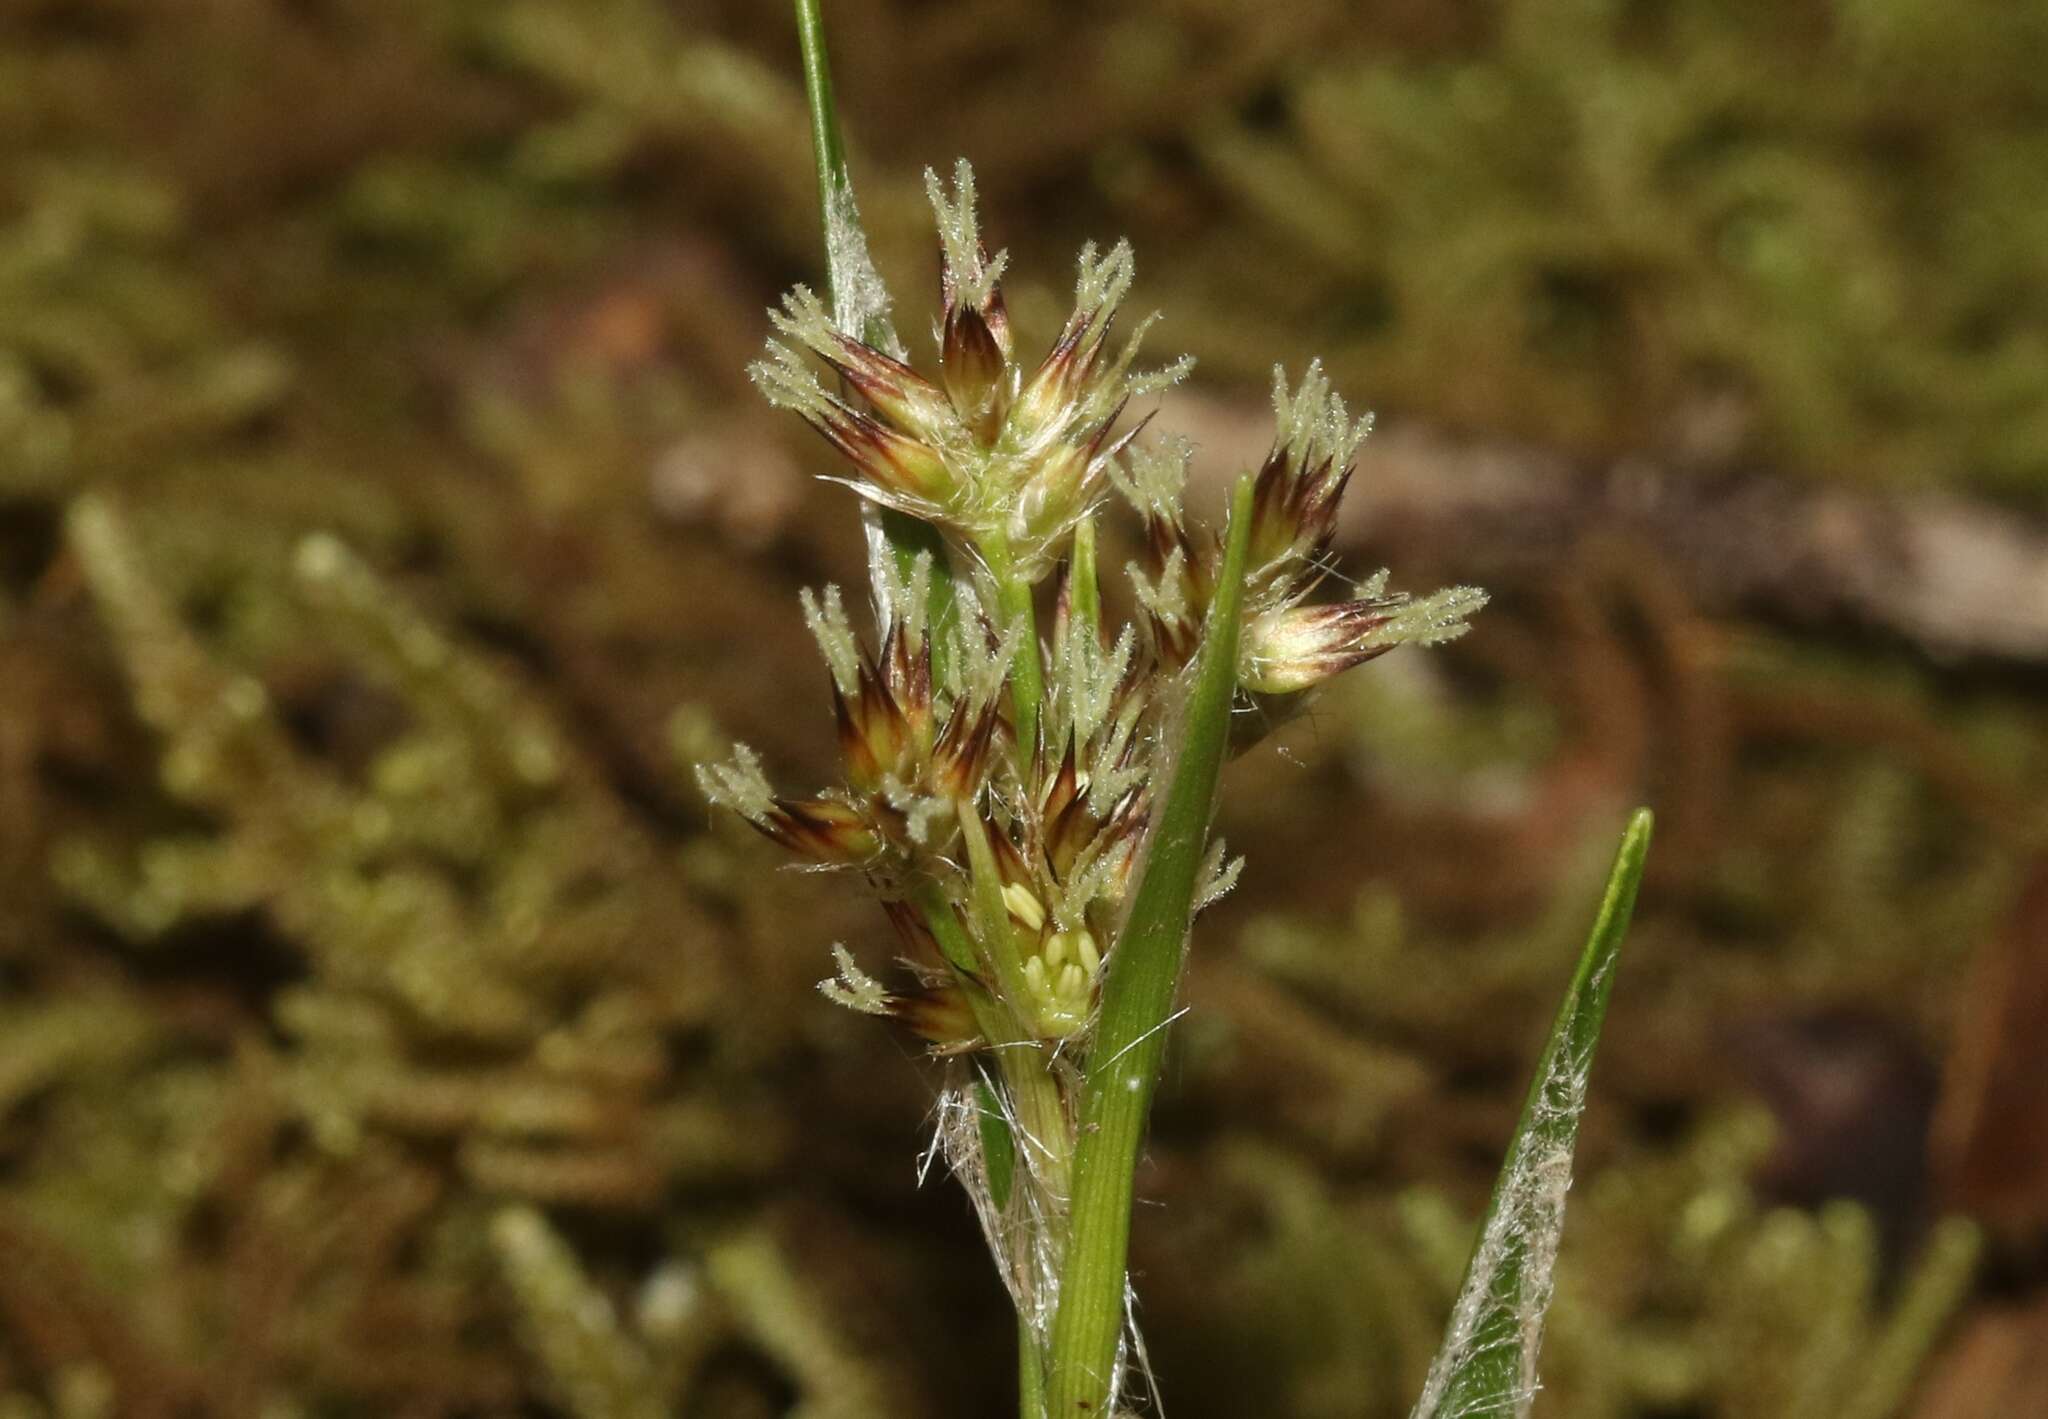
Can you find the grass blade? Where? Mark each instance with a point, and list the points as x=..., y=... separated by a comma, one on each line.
x=1137, y=1001
x=1487, y=1365
x=860, y=307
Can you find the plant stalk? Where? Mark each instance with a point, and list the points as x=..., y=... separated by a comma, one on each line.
x=904, y=538
x=1034, y=1092
x=1137, y=1002
x=1030, y=1374
x=1027, y=674
x=1084, y=587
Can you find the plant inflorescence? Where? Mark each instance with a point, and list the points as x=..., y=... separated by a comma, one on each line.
x=1032, y=806
x=1003, y=782
x=1034, y=809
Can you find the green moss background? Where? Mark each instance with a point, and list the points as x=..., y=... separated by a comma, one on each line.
x=386, y=526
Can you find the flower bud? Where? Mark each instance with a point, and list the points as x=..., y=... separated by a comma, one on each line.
x=974, y=340
x=898, y=470
x=895, y=391
x=975, y=371
x=823, y=829
x=1176, y=596
x=902, y=396
x=885, y=725
x=1294, y=509
x=908, y=675
x=901, y=469
x=960, y=758
x=1292, y=649
x=939, y=1014
x=872, y=735
x=1299, y=487
x=1055, y=494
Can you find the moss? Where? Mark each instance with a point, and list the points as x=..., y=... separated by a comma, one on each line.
x=351, y=890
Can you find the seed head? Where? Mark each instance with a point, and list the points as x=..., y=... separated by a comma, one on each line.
x=987, y=454
x=940, y=789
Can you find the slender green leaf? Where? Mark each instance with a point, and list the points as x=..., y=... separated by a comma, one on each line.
x=1137, y=1002
x=998, y=1148
x=1487, y=1366
x=860, y=307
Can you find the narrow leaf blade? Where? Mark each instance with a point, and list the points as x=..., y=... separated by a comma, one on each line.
x=1487, y=1364
x=1137, y=1002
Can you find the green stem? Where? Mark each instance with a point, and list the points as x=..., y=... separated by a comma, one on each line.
x=906, y=536
x=1084, y=588
x=828, y=146
x=1047, y=1146
x=1030, y=1374
x=954, y=942
x=1137, y=1002
x=1034, y=1093
x=1027, y=674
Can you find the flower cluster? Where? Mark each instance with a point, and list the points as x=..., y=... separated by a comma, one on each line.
x=954, y=792
x=1288, y=644
x=998, y=784
x=1003, y=461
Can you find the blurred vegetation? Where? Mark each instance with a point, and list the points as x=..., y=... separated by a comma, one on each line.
x=1720, y=228
x=385, y=524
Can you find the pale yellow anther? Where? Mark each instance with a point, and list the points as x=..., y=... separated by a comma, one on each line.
x=1060, y=993
x=1073, y=984
x=1024, y=906
x=1055, y=950
x=1086, y=952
